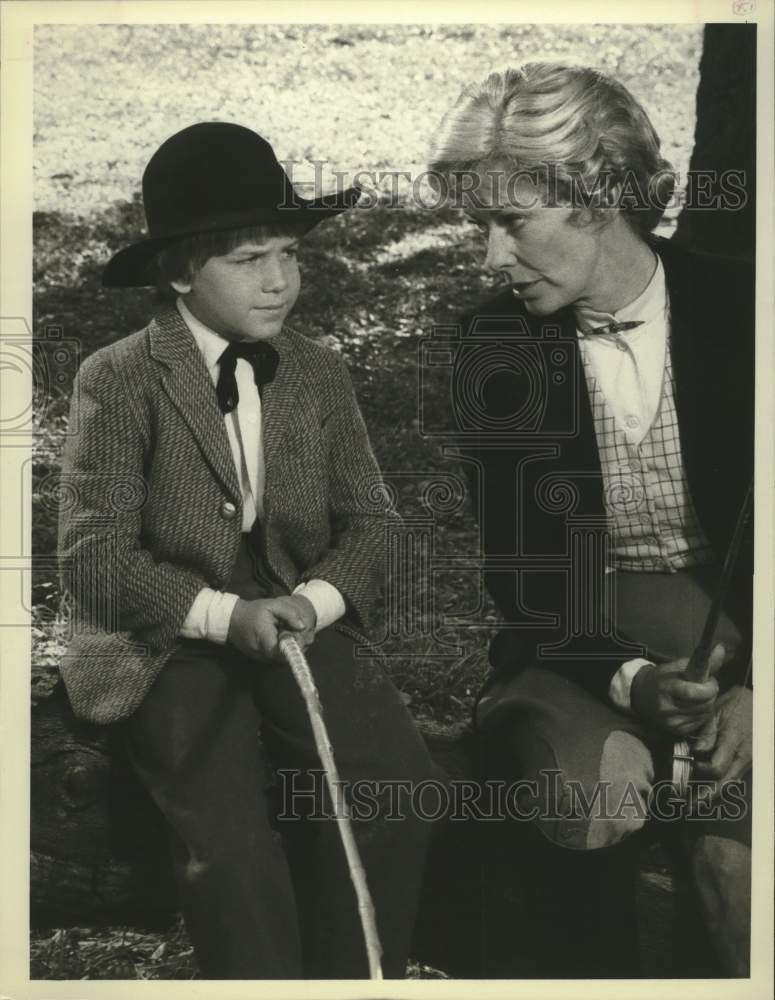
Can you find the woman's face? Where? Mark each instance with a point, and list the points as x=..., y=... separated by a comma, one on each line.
x=550, y=260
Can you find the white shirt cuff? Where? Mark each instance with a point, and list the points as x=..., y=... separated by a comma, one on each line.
x=209, y=616
x=621, y=683
x=325, y=599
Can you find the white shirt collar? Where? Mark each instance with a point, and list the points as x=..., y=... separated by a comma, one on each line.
x=650, y=305
x=211, y=344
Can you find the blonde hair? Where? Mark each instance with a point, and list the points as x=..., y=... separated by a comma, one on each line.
x=579, y=130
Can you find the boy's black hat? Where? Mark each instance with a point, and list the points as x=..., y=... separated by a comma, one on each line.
x=214, y=176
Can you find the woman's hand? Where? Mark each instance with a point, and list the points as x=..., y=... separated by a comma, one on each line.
x=662, y=697
x=727, y=737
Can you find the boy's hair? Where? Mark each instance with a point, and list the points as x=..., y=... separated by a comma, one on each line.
x=572, y=128
x=181, y=260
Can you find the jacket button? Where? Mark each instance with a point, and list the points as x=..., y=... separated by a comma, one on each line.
x=228, y=510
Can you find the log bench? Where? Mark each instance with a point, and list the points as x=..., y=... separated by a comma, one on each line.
x=98, y=858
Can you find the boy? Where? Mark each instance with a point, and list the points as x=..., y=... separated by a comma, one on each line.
x=219, y=469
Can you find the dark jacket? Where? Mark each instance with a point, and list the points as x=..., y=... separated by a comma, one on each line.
x=712, y=343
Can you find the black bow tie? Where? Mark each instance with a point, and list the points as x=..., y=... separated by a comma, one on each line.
x=628, y=324
x=264, y=360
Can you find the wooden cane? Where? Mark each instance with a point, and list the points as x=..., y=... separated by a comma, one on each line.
x=296, y=660
x=698, y=666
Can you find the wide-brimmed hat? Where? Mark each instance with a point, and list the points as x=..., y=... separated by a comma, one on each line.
x=208, y=177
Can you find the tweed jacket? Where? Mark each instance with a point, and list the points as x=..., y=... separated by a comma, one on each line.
x=151, y=509
x=712, y=346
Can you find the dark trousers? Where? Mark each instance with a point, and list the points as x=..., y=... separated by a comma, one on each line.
x=545, y=728
x=544, y=722
x=259, y=905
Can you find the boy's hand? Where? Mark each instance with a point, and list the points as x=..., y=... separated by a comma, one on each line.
x=661, y=695
x=254, y=626
x=305, y=636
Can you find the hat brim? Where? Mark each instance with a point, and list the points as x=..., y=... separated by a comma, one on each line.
x=132, y=267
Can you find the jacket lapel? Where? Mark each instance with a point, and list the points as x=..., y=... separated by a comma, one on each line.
x=189, y=386
x=568, y=406
x=683, y=317
x=277, y=405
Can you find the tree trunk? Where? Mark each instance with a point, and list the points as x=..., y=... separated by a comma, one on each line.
x=724, y=140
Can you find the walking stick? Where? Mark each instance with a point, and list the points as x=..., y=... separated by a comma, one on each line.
x=697, y=668
x=301, y=671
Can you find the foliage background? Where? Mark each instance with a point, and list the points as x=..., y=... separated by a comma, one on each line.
x=359, y=98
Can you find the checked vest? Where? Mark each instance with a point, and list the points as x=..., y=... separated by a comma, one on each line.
x=650, y=513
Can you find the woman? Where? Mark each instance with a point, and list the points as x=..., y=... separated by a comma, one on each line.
x=609, y=433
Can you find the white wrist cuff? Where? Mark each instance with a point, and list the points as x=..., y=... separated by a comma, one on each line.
x=621, y=682
x=325, y=599
x=209, y=616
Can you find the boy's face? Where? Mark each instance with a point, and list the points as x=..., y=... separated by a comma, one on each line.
x=247, y=293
